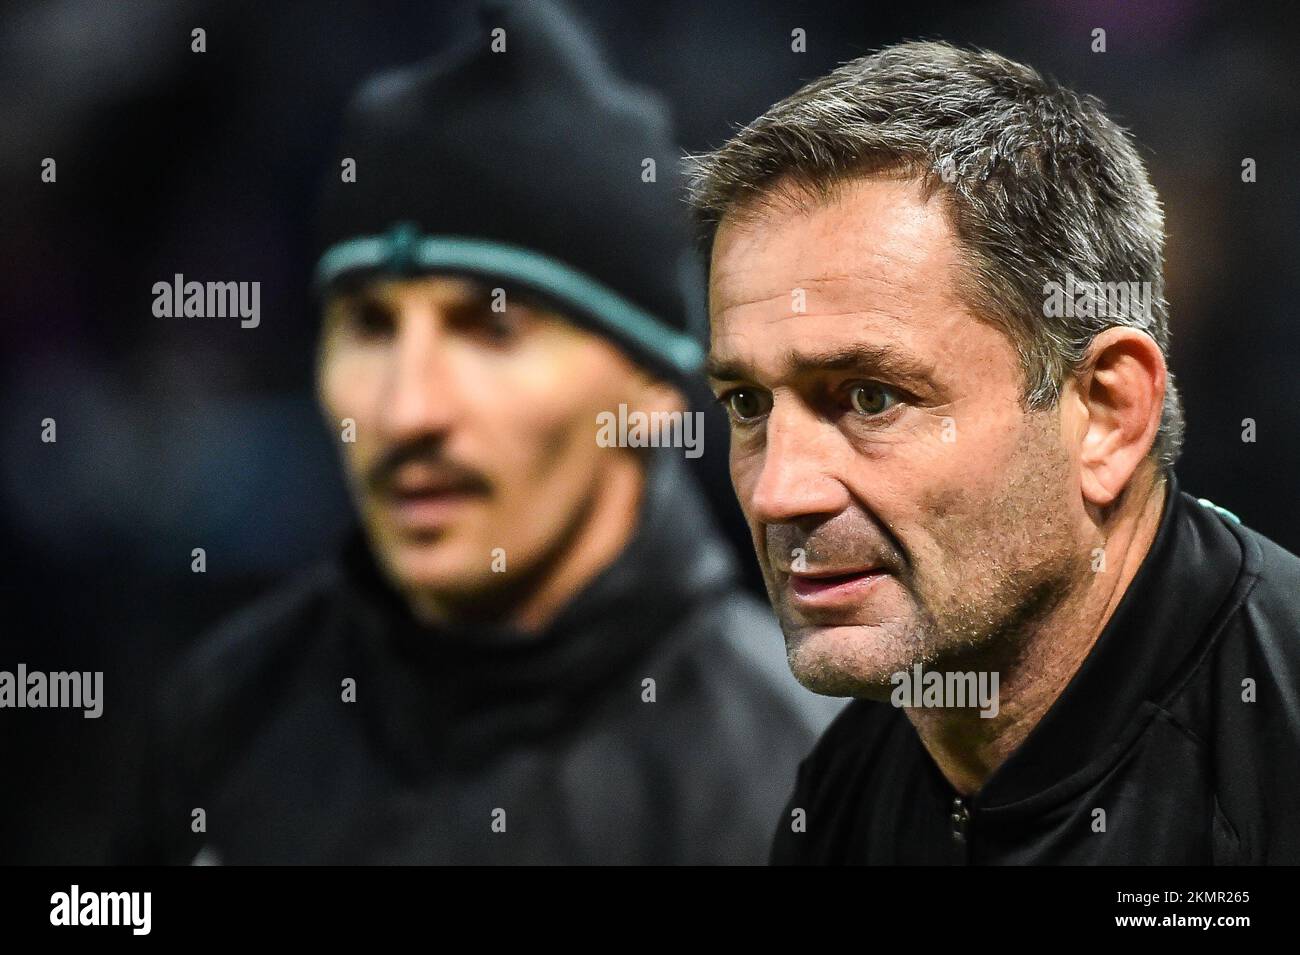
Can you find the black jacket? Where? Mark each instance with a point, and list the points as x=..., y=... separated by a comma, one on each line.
x=454, y=733
x=1153, y=730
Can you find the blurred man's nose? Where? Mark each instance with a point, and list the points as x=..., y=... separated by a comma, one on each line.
x=798, y=477
x=418, y=400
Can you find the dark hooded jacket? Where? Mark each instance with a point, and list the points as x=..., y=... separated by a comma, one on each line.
x=486, y=745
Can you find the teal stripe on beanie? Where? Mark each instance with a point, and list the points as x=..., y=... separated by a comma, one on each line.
x=405, y=251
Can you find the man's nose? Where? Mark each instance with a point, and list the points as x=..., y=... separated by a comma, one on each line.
x=418, y=400
x=797, y=479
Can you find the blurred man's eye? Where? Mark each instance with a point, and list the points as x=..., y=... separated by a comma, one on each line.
x=496, y=325
x=505, y=324
x=497, y=316
x=364, y=318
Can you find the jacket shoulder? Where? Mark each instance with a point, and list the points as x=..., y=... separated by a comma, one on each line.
x=746, y=658
x=1244, y=709
x=237, y=666
x=211, y=699
x=728, y=732
x=1268, y=616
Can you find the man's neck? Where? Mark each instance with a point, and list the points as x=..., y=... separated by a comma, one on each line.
x=1033, y=672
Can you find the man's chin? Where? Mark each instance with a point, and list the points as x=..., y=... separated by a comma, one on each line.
x=437, y=566
x=851, y=660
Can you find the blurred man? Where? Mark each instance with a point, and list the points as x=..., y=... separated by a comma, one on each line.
x=939, y=328
x=536, y=650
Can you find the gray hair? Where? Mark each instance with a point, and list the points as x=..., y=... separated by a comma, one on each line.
x=1039, y=184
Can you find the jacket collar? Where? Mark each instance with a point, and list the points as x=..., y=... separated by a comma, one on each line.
x=456, y=692
x=1172, y=609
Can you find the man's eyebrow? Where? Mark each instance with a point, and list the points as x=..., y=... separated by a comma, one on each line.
x=725, y=369
x=883, y=360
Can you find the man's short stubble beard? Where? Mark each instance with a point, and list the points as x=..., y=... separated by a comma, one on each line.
x=1007, y=566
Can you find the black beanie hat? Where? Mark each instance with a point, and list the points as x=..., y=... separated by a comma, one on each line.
x=528, y=166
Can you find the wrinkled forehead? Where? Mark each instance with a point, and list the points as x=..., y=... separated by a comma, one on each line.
x=872, y=240
x=875, y=261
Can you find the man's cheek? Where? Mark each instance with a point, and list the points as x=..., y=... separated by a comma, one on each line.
x=359, y=459
x=944, y=535
x=745, y=470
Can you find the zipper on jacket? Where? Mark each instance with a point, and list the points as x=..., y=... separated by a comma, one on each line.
x=960, y=828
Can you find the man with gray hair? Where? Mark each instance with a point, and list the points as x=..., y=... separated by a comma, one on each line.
x=940, y=333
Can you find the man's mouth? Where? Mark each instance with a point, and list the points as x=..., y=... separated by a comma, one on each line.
x=828, y=588
x=429, y=504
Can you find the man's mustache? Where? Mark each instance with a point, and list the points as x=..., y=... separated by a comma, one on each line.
x=381, y=477
x=830, y=547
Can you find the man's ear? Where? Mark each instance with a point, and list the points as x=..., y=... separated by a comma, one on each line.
x=1120, y=391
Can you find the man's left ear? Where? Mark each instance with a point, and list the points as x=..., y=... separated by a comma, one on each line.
x=1121, y=389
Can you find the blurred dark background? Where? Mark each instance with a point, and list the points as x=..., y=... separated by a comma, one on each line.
x=175, y=435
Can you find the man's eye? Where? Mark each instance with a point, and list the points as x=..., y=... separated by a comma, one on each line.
x=366, y=319
x=498, y=326
x=745, y=404
x=502, y=326
x=871, y=398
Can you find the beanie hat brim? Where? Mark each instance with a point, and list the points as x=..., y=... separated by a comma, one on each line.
x=405, y=251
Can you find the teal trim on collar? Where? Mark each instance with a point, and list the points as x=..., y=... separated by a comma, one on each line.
x=404, y=251
x=1222, y=511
